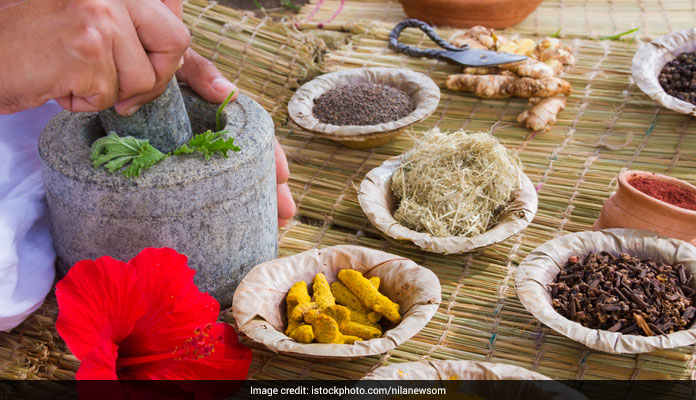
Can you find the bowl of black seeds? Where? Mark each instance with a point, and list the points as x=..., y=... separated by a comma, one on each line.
x=364, y=107
x=617, y=290
x=665, y=70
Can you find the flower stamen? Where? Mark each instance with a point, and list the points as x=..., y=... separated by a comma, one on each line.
x=198, y=346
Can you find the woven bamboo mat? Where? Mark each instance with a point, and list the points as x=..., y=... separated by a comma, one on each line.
x=574, y=18
x=608, y=126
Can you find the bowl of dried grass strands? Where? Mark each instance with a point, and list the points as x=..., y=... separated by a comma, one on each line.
x=451, y=193
x=360, y=104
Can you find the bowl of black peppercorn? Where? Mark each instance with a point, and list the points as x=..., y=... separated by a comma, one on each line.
x=665, y=70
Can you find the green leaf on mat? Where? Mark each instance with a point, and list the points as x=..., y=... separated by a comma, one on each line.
x=290, y=4
x=619, y=35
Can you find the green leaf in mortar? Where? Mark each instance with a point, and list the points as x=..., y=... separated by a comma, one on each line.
x=115, y=153
x=208, y=143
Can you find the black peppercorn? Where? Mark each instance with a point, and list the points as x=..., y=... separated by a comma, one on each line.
x=678, y=77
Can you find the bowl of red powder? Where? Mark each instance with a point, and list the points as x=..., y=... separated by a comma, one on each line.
x=646, y=200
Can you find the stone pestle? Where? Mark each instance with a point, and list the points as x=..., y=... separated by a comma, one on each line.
x=163, y=121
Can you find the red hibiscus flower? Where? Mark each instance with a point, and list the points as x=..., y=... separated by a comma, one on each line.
x=145, y=319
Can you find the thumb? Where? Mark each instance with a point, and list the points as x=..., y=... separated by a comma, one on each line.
x=205, y=79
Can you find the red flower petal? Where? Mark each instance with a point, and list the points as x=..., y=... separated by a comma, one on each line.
x=229, y=361
x=100, y=364
x=174, y=305
x=99, y=302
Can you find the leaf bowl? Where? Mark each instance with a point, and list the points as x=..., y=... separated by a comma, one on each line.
x=259, y=306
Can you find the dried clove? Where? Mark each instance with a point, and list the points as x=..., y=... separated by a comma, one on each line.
x=625, y=294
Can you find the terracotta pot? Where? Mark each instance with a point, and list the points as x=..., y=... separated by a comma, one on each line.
x=631, y=208
x=468, y=13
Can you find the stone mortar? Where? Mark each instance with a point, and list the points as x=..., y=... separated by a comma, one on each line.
x=221, y=213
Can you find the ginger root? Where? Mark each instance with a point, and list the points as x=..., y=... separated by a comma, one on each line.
x=478, y=37
x=368, y=295
x=547, y=60
x=542, y=114
x=500, y=86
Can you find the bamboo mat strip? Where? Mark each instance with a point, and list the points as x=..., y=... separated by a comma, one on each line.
x=575, y=18
x=608, y=126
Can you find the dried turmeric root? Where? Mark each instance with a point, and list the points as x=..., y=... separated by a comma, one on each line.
x=368, y=295
x=365, y=319
x=348, y=339
x=375, y=281
x=341, y=315
x=360, y=330
x=302, y=333
x=346, y=298
x=298, y=296
x=373, y=316
x=326, y=330
x=322, y=292
x=298, y=313
x=542, y=114
x=311, y=315
x=500, y=86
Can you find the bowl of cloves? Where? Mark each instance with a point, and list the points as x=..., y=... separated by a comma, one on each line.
x=665, y=70
x=616, y=290
x=364, y=107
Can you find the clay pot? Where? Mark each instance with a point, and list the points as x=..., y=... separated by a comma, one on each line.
x=468, y=13
x=631, y=208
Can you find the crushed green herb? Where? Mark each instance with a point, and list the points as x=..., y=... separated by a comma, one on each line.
x=132, y=156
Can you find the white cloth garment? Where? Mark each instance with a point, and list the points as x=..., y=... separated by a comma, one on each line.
x=27, y=257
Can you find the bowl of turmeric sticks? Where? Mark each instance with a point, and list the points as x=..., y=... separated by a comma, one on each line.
x=336, y=302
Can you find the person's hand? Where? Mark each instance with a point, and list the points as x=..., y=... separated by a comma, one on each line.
x=210, y=84
x=88, y=54
x=205, y=79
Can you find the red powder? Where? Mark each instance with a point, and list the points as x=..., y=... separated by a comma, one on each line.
x=665, y=191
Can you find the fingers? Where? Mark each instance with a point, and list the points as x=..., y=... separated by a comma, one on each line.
x=286, y=205
x=136, y=75
x=205, y=79
x=176, y=6
x=165, y=39
x=94, y=85
x=282, y=170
